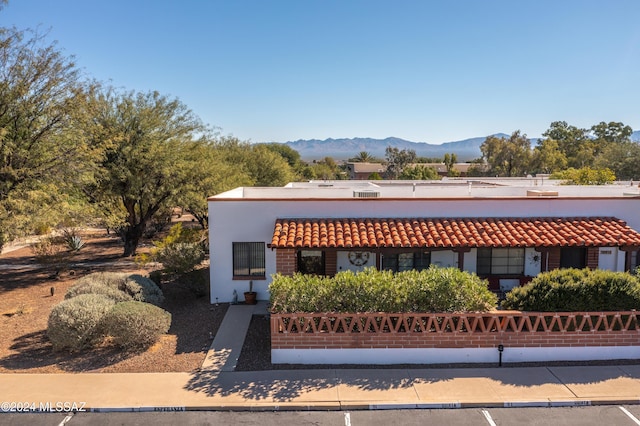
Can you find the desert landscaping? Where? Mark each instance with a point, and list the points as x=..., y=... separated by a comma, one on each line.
x=29, y=290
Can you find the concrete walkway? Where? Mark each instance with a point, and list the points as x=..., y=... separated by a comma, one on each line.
x=217, y=387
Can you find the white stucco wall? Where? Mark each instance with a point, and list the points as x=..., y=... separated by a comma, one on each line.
x=450, y=355
x=252, y=220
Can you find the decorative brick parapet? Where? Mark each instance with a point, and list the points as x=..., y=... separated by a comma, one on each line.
x=451, y=330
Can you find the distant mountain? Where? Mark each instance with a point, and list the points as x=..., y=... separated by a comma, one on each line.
x=342, y=149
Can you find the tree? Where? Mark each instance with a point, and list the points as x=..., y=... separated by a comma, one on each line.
x=148, y=143
x=291, y=155
x=547, y=157
x=364, y=157
x=419, y=172
x=507, y=157
x=573, y=142
x=397, y=160
x=449, y=161
x=211, y=175
x=612, y=132
x=585, y=176
x=259, y=162
x=622, y=158
x=42, y=97
x=327, y=169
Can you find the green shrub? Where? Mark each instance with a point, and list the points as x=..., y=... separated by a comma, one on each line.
x=180, y=258
x=431, y=290
x=571, y=290
x=135, y=325
x=181, y=251
x=119, y=287
x=74, y=323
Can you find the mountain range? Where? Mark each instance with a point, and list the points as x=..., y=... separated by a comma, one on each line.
x=344, y=148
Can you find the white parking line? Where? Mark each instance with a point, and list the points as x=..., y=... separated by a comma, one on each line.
x=66, y=419
x=488, y=417
x=631, y=416
x=347, y=419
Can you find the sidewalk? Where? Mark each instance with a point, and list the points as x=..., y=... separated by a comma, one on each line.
x=218, y=387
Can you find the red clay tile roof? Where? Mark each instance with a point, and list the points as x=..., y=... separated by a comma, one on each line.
x=454, y=232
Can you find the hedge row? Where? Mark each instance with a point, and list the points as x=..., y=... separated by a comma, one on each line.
x=431, y=290
x=572, y=290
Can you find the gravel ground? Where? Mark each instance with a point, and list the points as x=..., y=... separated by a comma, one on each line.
x=28, y=291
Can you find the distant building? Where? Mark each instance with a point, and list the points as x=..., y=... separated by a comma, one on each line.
x=363, y=171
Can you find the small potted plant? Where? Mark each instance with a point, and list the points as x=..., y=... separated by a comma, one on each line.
x=250, y=296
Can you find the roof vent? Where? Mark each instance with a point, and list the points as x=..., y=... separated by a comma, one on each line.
x=366, y=194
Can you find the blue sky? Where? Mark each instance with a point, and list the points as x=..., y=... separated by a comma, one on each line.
x=426, y=71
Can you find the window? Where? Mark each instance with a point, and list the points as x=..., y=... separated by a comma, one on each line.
x=311, y=262
x=573, y=257
x=248, y=260
x=500, y=261
x=398, y=262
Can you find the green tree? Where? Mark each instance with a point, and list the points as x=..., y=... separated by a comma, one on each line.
x=419, y=172
x=622, y=158
x=42, y=97
x=612, y=132
x=585, y=176
x=148, y=144
x=291, y=155
x=507, y=156
x=397, y=160
x=327, y=169
x=573, y=142
x=260, y=163
x=364, y=157
x=547, y=157
x=211, y=175
x=449, y=161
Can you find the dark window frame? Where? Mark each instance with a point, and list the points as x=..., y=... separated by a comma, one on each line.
x=573, y=257
x=323, y=262
x=249, y=256
x=391, y=261
x=492, y=261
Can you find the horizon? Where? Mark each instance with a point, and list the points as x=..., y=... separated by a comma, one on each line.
x=421, y=71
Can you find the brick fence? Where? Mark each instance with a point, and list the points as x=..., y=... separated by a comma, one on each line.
x=454, y=330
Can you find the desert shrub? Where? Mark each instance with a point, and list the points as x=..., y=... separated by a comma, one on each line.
x=431, y=290
x=135, y=325
x=197, y=281
x=570, y=290
x=96, y=287
x=119, y=287
x=50, y=250
x=74, y=323
x=143, y=289
x=179, y=252
x=179, y=258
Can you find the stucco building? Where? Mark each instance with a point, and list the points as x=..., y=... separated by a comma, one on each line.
x=506, y=230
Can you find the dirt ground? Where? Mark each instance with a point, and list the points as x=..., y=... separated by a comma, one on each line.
x=29, y=290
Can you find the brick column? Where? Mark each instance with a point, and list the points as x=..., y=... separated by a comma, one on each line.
x=286, y=261
x=593, y=253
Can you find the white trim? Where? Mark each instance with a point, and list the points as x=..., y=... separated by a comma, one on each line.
x=450, y=355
